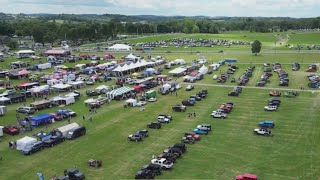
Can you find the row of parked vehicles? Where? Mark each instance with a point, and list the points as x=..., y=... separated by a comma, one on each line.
x=235, y=92
x=223, y=110
x=53, y=138
x=264, y=79
x=244, y=79
x=314, y=81
x=195, y=97
x=166, y=159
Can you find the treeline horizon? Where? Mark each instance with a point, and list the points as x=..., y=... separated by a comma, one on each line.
x=50, y=28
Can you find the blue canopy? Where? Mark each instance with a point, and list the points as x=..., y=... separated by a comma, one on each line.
x=41, y=119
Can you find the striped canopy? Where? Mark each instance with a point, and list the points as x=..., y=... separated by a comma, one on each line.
x=118, y=92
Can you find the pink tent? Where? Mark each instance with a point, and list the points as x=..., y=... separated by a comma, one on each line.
x=109, y=56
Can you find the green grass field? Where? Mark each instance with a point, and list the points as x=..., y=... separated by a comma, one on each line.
x=231, y=149
x=307, y=38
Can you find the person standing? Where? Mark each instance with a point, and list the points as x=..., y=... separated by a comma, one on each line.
x=194, y=114
x=83, y=117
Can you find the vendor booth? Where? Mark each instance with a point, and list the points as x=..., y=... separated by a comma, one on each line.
x=119, y=92
x=43, y=104
x=41, y=119
x=63, y=100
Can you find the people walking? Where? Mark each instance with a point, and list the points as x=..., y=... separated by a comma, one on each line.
x=194, y=114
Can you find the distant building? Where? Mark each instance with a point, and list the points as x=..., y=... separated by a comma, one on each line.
x=57, y=52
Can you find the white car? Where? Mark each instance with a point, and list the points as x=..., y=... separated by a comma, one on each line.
x=219, y=115
x=178, y=86
x=214, y=77
x=163, y=119
x=162, y=162
x=153, y=99
x=189, y=87
x=141, y=103
x=270, y=108
x=262, y=131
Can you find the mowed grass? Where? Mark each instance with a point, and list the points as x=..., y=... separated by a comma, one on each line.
x=231, y=149
x=306, y=38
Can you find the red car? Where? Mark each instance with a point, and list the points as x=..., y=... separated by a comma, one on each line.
x=247, y=177
x=56, y=117
x=12, y=130
x=194, y=135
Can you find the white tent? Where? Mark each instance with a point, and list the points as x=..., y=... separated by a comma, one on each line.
x=131, y=102
x=166, y=87
x=120, y=47
x=1, y=131
x=132, y=57
x=44, y=66
x=66, y=100
x=178, y=70
x=25, y=142
x=88, y=101
x=203, y=70
x=39, y=89
x=65, y=129
x=180, y=61
x=61, y=86
x=103, y=87
x=4, y=99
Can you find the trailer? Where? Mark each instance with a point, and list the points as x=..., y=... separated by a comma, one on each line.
x=64, y=130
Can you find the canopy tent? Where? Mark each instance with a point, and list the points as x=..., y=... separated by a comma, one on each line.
x=65, y=100
x=78, y=84
x=180, y=61
x=102, y=88
x=41, y=119
x=177, y=70
x=25, y=142
x=89, y=101
x=103, y=66
x=61, y=87
x=203, y=70
x=44, y=66
x=131, y=102
x=39, y=89
x=149, y=71
x=42, y=104
x=120, y=47
x=132, y=57
x=118, y=92
x=137, y=88
x=76, y=96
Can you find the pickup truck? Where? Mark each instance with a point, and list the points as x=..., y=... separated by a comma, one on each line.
x=53, y=140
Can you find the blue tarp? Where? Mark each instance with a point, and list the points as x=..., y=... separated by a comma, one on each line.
x=230, y=60
x=41, y=119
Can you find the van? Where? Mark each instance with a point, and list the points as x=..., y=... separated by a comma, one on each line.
x=207, y=126
x=76, y=132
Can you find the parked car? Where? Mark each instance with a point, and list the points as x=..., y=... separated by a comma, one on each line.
x=73, y=173
x=188, y=140
x=76, y=132
x=179, y=108
x=291, y=94
x=275, y=93
x=25, y=109
x=154, y=125
x=266, y=124
x=163, y=119
x=152, y=99
x=189, y=87
x=156, y=169
x=262, y=131
x=247, y=177
x=295, y=66
x=11, y=130
x=172, y=157
x=166, y=116
x=270, y=108
x=144, y=133
x=141, y=103
x=163, y=163
x=135, y=137
x=197, y=137
x=93, y=92
x=35, y=147
x=53, y=140
x=188, y=102
x=145, y=174
x=200, y=132
x=219, y=115
x=208, y=126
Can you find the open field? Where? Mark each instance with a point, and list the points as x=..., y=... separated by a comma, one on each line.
x=306, y=38
x=231, y=149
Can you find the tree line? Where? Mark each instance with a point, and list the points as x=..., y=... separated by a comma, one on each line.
x=47, y=30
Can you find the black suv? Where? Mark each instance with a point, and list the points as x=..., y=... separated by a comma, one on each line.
x=154, y=125
x=37, y=146
x=53, y=141
x=179, y=108
x=145, y=174
x=153, y=167
x=144, y=133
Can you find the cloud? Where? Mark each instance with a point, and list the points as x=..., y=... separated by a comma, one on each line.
x=292, y=8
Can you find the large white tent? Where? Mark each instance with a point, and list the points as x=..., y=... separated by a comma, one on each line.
x=203, y=70
x=25, y=142
x=118, y=92
x=120, y=47
x=177, y=70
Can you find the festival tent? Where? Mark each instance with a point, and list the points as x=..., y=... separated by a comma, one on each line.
x=120, y=47
x=132, y=57
x=44, y=66
x=41, y=119
x=62, y=87
x=39, y=89
x=25, y=142
x=131, y=102
x=118, y=92
x=78, y=84
x=177, y=70
x=65, y=100
x=203, y=70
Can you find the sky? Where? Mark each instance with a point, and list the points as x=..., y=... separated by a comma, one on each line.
x=252, y=8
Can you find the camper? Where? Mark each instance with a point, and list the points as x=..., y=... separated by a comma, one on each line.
x=24, y=53
x=3, y=110
x=64, y=130
x=76, y=132
x=25, y=142
x=1, y=131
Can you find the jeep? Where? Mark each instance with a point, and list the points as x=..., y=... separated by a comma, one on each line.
x=135, y=137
